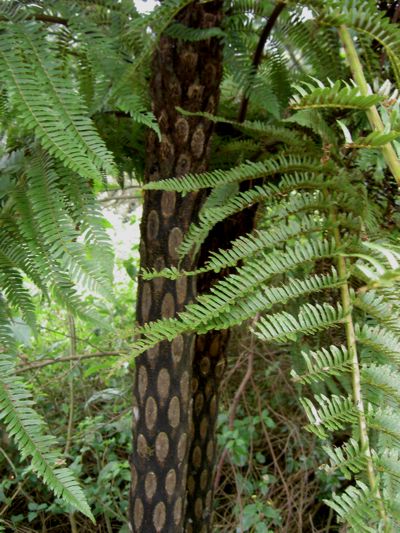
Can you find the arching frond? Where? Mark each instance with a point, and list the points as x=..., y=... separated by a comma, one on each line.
x=61, y=123
x=349, y=458
x=355, y=507
x=334, y=95
x=322, y=363
x=243, y=172
x=330, y=414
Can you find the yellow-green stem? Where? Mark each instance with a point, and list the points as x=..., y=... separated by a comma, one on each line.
x=356, y=379
x=372, y=113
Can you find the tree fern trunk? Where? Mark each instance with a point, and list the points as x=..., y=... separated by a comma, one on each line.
x=208, y=369
x=186, y=75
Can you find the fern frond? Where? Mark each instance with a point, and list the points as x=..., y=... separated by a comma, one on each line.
x=386, y=421
x=323, y=363
x=246, y=171
x=61, y=123
x=209, y=216
x=134, y=105
x=349, y=459
x=263, y=300
x=12, y=285
x=382, y=378
x=200, y=316
x=380, y=308
x=250, y=245
x=379, y=340
x=284, y=326
x=356, y=506
x=257, y=128
x=374, y=139
x=313, y=120
x=337, y=95
x=369, y=22
x=52, y=224
x=388, y=462
x=27, y=429
x=330, y=414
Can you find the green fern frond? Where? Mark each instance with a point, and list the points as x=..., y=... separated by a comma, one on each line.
x=382, y=378
x=246, y=171
x=201, y=315
x=380, y=308
x=337, y=95
x=284, y=326
x=388, y=462
x=313, y=120
x=349, y=459
x=323, y=363
x=330, y=414
x=386, y=421
x=54, y=227
x=250, y=245
x=84, y=209
x=363, y=19
x=380, y=340
x=30, y=69
x=265, y=299
x=210, y=215
x=18, y=296
x=356, y=506
x=270, y=132
x=139, y=112
x=374, y=139
x=27, y=429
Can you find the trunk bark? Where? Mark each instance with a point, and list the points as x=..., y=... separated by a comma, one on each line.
x=210, y=350
x=208, y=369
x=186, y=75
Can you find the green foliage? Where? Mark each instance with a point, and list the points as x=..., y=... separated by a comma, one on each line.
x=335, y=95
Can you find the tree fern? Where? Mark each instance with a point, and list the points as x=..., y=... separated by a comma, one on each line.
x=323, y=228
x=321, y=272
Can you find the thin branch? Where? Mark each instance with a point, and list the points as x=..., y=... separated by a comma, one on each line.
x=50, y=19
x=235, y=404
x=120, y=198
x=259, y=52
x=72, y=352
x=47, y=362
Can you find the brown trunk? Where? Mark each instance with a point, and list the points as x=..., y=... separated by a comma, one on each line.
x=186, y=75
x=210, y=350
x=208, y=368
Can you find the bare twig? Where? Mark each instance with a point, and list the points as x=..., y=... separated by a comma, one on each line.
x=120, y=198
x=73, y=350
x=235, y=404
x=259, y=51
x=47, y=362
